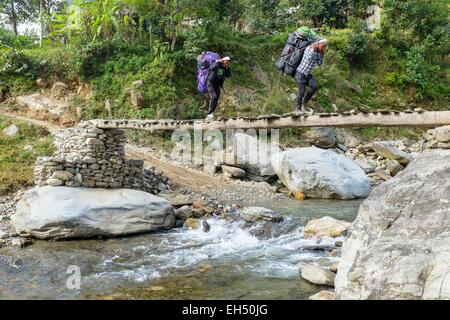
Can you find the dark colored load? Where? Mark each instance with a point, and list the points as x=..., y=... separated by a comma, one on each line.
x=292, y=53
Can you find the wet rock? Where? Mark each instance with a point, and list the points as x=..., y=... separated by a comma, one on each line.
x=198, y=212
x=323, y=295
x=179, y=223
x=319, y=173
x=316, y=274
x=11, y=131
x=334, y=267
x=326, y=227
x=339, y=243
x=399, y=244
x=193, y=223
x=388, y=150
x=62, y=212
x=254, y=214
x=206, y=226
x=184, y=212
x=233, y=171
x=322, y=137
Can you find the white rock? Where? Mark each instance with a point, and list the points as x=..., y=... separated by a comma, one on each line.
x=326, y=227
x=63, y=212
x=319, y=173
x=317, y=275
x=28, y=148
x=11, y=131
x=399, y=244
x=253, y=155
x=323, y=295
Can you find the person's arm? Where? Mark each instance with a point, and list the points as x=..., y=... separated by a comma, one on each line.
x=213, y=68
x=227, y=72
x=319, y=58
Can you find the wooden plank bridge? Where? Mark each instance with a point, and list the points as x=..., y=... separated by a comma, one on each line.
x=356, y=119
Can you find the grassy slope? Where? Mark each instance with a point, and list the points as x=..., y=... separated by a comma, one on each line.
x=256, y=86
x=16, y=164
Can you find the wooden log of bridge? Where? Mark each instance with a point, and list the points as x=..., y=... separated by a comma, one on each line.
x=421, y=119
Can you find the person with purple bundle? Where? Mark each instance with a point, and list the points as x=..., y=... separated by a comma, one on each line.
x=211, y=73
x=218, y=71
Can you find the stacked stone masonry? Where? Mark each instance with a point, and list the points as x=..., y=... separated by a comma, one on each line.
x=90, y=157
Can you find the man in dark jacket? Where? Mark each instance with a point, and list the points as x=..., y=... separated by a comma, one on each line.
x=218, y=71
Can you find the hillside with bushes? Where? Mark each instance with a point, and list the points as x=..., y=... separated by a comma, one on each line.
x=107, y=45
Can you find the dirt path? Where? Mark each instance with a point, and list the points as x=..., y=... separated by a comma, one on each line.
x=51, y=127
x=214, y=186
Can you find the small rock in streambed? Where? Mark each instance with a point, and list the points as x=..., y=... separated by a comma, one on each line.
x=192, y=223
x=316, y=274
x=206, y=226
x=323, y=295
x=326, y=227
x=253, y=214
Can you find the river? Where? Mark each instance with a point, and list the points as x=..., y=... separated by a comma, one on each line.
x=226, y=263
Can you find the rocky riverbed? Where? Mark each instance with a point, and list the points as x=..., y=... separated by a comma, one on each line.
x=231, y=261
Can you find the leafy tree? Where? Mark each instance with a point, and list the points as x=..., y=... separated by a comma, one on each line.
x=17, y=11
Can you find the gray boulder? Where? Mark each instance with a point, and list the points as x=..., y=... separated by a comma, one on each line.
x=322, y=137
x=253, y=214
x=399, y=244
x=319, y=173
x=63, y=212
x=253, y=155
x=387, y=150
x=316, y=274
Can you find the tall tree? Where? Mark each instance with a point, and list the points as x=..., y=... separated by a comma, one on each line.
x=17, y=11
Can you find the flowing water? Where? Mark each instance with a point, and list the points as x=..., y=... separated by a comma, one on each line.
x=226, y=263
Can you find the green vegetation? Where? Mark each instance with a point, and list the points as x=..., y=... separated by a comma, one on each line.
x=16, y=164
x=109, y=44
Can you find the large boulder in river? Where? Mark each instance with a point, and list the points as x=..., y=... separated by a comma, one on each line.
x=399, y=244
x=63, y=212
x=319, y=173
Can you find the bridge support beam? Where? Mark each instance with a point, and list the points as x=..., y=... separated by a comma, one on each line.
x=425, y=119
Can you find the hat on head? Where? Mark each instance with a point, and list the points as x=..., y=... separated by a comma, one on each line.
x=226, y=58
x=321, y=41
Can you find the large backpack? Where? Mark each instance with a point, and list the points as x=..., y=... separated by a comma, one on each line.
x=293, y=51
x=204, y=61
